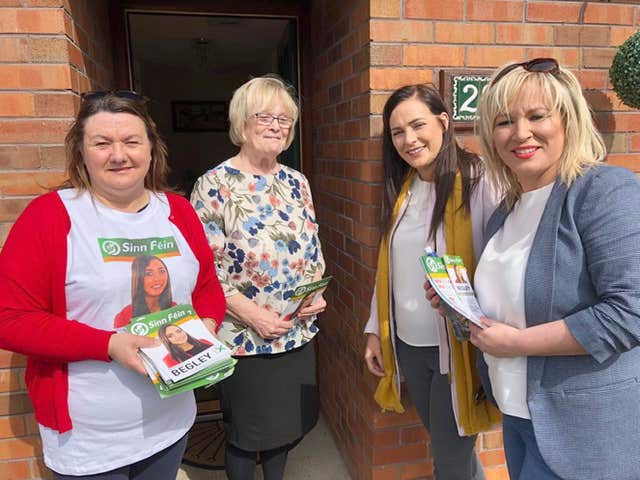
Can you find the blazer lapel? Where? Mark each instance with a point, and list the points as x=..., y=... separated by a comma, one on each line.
x=540, y=276
x=494, y=224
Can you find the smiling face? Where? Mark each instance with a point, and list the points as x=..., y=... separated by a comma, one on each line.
x=176, y=335
x=155, y=278
x=417, y=135
x=117, y=154
x=530, y=138
x=266, y=141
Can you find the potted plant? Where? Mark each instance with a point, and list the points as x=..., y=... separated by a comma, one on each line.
x=625, y=71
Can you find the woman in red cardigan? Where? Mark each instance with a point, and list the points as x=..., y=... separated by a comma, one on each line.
x=65, y=272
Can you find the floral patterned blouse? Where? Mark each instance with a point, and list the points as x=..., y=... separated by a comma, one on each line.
x=264, y=236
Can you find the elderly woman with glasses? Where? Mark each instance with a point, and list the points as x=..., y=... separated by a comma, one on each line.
x=65, y=272
x=261, y=225
x=558, y=281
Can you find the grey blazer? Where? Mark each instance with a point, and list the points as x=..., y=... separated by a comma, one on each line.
x=584, y=267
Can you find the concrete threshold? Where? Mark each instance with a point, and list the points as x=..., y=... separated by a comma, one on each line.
x=315, y=458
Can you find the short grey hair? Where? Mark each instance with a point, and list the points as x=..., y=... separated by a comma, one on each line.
x=255, y=95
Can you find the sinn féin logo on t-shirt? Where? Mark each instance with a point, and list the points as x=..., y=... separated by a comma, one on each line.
x=126, y=249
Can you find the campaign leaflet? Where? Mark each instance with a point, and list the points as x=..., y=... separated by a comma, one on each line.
x=456, y=309
x=189, y=356
x=303, y=296
x=166, y=391
x=461, y=284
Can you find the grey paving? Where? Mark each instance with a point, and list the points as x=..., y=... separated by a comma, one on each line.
x=316, y=458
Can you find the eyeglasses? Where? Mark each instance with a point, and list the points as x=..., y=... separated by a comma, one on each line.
x=127, y=94
x=266, y=119
x=537, y=65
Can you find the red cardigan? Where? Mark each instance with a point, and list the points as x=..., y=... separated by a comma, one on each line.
x=33, y=305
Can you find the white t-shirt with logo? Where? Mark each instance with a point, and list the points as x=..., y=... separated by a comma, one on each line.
x=118, y=417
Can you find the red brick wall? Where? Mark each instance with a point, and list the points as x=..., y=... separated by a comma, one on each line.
x=50, y=50
x=410, y=41
x=346, y=185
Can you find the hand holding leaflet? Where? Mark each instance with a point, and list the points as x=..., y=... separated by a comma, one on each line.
x=458, y=308
x=187, y=356
x=304, y=295
x=461, y=284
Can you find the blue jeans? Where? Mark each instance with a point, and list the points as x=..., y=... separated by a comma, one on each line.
x=524, y=459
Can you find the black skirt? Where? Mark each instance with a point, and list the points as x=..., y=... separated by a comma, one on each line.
x=271, y=400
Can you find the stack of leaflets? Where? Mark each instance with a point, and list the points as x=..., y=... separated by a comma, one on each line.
x=303, y=296
x=189, y=355
x=448, y=277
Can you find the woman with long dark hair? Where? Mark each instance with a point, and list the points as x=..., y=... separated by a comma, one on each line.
x=150, y=289
x=180, y=344
x=435, y=196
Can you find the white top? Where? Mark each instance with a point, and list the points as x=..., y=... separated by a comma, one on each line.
x=118, y=417
x=415, y=319
x=483, y=202
x=499, y=285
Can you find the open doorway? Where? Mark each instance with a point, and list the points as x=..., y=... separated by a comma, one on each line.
x=190, y=64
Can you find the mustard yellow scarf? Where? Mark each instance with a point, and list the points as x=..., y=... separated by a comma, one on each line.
x=473, y=416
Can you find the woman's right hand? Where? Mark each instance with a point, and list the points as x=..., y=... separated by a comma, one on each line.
x=433, y=298
x=373, y=355
x=269, y=325
x=124, y=347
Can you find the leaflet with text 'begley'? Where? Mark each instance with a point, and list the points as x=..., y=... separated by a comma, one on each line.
x=188, y=357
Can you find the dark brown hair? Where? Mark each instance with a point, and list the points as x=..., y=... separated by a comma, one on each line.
x=177, y=353
x=449, y=160
x=78, y=177
x=139, y=304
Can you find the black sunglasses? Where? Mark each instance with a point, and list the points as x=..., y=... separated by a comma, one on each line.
x=537, y=65
x=128, y=94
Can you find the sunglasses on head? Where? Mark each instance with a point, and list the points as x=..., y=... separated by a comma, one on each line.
x=537, y=65
x=127, y=94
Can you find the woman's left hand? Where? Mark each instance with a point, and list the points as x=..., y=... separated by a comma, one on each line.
x=496, y=338
x=124, y=348
x=315, y=308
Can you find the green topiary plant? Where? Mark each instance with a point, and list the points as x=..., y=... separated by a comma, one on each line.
x=625, y=71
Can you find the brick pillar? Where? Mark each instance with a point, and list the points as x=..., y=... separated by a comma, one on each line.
x=50, y=50
x=346, y=187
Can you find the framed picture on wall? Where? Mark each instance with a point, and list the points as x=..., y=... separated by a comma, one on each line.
x=200, y=116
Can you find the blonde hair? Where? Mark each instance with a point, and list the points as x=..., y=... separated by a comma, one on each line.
x=583, y=144
x=255, y=95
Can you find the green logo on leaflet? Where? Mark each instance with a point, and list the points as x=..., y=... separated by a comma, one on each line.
x=126, y=249
x=139, y=329
x=149, y=324
x=433, y=264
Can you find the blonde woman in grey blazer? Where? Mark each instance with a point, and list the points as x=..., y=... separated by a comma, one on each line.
x=559, y=281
